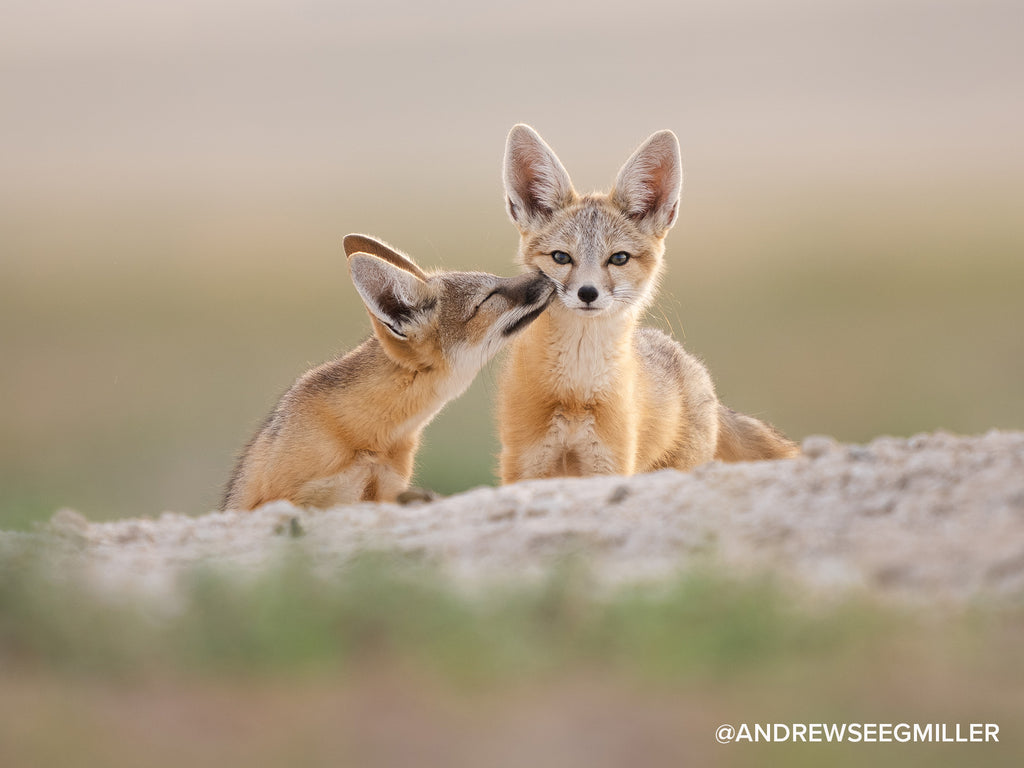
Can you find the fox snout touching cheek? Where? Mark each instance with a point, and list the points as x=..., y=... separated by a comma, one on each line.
x=348, y=430
x=587, y=390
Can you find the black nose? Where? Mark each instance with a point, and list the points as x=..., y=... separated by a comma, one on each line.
x=587, y=293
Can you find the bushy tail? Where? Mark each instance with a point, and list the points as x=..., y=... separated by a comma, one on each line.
x=743, y=438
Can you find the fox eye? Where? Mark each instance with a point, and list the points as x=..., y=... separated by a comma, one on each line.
x=480, y=305
x=618, y=259
x=561, y=257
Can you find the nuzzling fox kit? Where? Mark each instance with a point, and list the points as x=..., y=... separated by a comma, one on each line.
x=587, y=390
x=348, y=430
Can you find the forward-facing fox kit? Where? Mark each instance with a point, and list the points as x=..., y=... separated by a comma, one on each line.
x=586, y=390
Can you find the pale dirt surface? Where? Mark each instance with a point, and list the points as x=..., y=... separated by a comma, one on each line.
x=932, y=518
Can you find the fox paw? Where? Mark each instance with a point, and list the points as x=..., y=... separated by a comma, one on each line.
x=417, y=495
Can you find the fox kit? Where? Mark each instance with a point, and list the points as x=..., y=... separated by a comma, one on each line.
x=348, y=430
x=586, y=389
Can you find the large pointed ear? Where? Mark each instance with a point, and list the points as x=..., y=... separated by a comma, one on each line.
x=390, y=293
x=649, y=184
x=365, y=244
x=536, y=183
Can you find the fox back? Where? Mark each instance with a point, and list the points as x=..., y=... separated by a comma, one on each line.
x=587, y=390
x=349, y=429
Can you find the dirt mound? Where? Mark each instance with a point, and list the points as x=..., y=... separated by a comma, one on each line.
x=933, y=517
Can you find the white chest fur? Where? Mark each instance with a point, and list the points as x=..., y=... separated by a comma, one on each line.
x=588, y=356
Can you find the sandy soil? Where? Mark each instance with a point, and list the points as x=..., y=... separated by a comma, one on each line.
x=935, y=517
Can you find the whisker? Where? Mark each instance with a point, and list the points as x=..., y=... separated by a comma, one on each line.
x=627, y=296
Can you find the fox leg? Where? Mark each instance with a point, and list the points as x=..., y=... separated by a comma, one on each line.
x=345, y=487
x=363, y=481
x=571, y=447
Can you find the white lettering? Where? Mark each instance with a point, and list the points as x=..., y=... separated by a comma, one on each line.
x=835, y=732
x=865, y=733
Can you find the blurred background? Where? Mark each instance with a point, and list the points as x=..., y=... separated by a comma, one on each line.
x=177, y=179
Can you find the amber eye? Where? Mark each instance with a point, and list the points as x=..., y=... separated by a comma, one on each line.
x=618, y=259
x=561, y=257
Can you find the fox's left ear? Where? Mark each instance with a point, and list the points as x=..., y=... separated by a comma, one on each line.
x=355, y=243
x=649, y=184
x=390, y=293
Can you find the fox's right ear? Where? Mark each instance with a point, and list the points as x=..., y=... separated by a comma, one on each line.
x=648, y=185
x=536, y=182
x=390, y=293
x=365, y=244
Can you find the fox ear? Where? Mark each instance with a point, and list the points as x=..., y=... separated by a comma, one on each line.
x=536, y=183
x=365, y=244
x=390, y=293
x=649, y=184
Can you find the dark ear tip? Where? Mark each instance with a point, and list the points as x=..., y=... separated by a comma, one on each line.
x=355, y=243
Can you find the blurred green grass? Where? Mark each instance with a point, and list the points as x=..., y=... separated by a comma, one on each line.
x=383, y=606
x=143, y=341
x=294, y=618
x=407, y=647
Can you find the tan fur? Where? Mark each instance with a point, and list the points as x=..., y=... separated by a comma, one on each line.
x=348, y=430
x=587, y=390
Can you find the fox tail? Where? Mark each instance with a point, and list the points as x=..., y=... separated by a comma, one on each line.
x=744, y=438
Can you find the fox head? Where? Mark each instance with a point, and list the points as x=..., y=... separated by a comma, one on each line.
x=602, y=251
x=448, y=322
